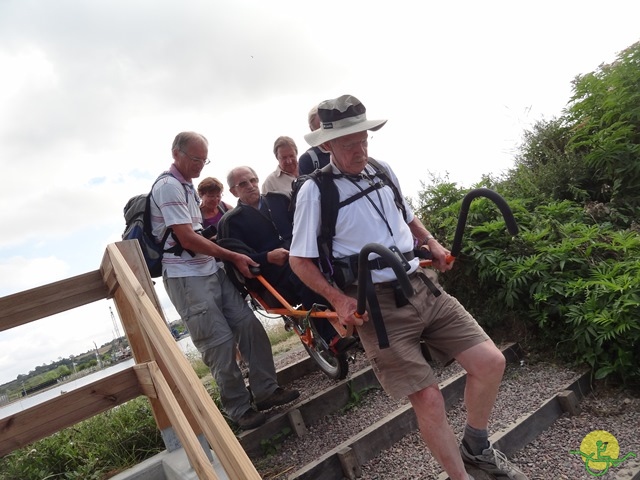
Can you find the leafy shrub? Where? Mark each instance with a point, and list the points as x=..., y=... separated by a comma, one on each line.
x=571, y=277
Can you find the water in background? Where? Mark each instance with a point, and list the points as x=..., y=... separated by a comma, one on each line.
x=185, y=344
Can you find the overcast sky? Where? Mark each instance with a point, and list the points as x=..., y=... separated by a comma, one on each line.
x=92, y=94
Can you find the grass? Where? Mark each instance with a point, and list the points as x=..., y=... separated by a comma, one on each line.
x=113, y=441
x=96, y=448
x=281, y=340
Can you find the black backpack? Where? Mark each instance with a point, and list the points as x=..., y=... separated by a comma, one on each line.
x=330, y=204
x=137, y=217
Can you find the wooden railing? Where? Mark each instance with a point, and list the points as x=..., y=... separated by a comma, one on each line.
x=162, y=373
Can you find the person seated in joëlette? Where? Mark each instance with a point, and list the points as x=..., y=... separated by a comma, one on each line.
x=264, y=223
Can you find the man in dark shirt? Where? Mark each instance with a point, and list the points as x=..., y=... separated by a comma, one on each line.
x=264, y=223
x=315, y=157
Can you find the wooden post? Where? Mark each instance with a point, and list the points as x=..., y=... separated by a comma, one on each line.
x=163, y=373
x=155, y=386
x=140, y=347
x=224, y=443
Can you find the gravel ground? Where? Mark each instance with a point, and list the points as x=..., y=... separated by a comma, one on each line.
x=524, y=388
x=522, y=391
x=612, y=410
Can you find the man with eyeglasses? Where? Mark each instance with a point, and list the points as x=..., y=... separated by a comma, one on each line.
x=286, y=152
x=215, y=314
x=370, y=214
x=264, y=224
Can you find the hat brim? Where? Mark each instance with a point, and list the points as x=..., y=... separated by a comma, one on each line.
x=320, y=136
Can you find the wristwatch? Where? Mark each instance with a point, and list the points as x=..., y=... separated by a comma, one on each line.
x=427, y=238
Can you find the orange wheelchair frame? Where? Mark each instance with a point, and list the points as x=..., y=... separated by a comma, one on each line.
x=332, y=364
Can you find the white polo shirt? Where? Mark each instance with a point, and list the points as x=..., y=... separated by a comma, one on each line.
x=174, y=202
x=358, y=223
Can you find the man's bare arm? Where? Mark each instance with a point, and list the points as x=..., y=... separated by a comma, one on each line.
x=190, y=240
x=425, y=238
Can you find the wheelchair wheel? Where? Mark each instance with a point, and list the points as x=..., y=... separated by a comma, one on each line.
x=333, y=366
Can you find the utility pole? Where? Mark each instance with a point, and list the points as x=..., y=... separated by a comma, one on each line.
x=115, y=327
x=97, y=356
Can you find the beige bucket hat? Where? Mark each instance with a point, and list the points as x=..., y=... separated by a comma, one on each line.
x=339, y=117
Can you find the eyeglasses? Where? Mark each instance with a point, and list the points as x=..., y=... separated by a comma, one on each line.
x=245, y=183
x=205, y=161
x=351, y=146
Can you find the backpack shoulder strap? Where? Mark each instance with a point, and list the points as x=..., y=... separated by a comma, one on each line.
x=177, y=248
x=329, y=206
x=330, y=201
x=169, y=174
x=314, y=158
x=374, y=186
x=382, y=173
x=147, y=210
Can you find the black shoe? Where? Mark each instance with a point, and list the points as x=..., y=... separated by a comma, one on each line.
x=251, y=419
x=340, y=344
x=279, y=397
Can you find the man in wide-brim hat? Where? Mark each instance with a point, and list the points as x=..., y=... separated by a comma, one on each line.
x=431, y=315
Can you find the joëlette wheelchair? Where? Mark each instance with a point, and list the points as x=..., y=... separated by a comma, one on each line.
x=265, y=299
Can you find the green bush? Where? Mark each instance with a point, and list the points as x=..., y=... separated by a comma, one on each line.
x=571, y=279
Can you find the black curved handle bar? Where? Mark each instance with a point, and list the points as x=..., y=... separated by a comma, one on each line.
x=364, y=274
x=512, y=226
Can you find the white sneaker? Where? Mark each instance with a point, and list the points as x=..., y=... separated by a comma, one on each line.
x=494, y=462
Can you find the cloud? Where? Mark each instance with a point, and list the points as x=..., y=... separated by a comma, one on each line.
x=21, y=273
x=117, y=60
x=93, y=93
